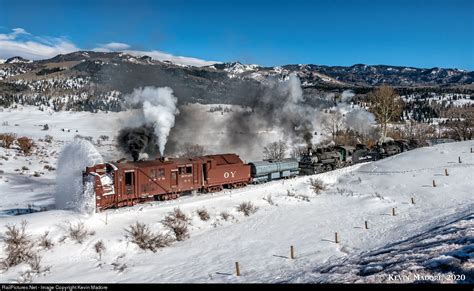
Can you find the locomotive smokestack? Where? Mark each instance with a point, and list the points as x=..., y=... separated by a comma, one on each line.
x=135, y=155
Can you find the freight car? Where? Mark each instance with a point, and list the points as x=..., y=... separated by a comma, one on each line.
x=128, y=183
x=267, y=170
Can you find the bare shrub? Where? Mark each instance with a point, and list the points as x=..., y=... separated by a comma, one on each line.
x=48, y=138
x=345, y=191
x=317, y=185
x=297, y=196
x=178, y=222
x=119, y=267
x=104, y=137
x=78, y=232
x=35, y=263
x=303, y=197
x=26, y=144
x=7, y=139
x=49, y=168
x=379, y=196
x=19, y=247
x=141, y=235
x=99, y=248
x=247, y=208
x=269, y=199
x=225, y=215
x=203, y=214
x=45, y=242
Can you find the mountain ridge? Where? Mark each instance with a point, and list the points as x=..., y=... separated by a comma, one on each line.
x=89, y=77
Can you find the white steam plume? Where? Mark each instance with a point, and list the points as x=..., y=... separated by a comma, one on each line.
x=159, y=108
x=346, y=95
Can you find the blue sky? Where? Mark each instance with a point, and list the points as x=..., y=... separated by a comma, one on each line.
x=338, y=32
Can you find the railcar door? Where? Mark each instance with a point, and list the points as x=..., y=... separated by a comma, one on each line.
x=130, y=182
x=174, y=178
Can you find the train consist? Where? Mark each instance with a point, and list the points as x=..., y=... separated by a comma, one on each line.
x=125, y=183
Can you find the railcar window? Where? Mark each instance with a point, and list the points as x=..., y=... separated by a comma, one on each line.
x=153, y=173
x=182, y=170
x=129, y=178
x=161, y=173
x=189, y=169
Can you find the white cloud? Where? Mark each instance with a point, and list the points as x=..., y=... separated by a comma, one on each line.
x=31, y=47
x=112, y=46
x=21, y=43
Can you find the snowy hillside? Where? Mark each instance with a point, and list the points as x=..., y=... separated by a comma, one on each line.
x=437, y=228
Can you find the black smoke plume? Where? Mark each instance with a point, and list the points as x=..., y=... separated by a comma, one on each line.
x=137, y=140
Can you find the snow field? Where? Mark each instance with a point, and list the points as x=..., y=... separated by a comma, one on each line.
x=260, y=242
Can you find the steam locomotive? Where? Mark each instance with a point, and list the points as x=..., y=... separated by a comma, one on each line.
x=125, y=183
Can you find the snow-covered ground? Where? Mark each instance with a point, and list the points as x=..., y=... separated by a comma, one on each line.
x=432, y=236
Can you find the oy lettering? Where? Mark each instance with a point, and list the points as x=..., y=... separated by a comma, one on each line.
x=229, y=174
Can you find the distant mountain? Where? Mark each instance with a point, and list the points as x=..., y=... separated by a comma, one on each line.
x=17, y=60
x=86, y=80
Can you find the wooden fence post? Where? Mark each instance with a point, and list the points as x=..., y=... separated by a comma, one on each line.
x=446, y=172
x=459, y=159
x=337, y=238
x=412, y=200
x=292, y=252
x=237, y=269
x=366, y=225
x=393, y=212
x=434, y=183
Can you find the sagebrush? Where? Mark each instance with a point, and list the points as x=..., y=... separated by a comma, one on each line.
x=317, y=185
x=18, y=245
x=141, y=235
x=177, y=222
x=203, y=214
x=247, y=208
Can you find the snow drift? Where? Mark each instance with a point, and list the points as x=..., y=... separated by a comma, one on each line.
x=73, y=159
